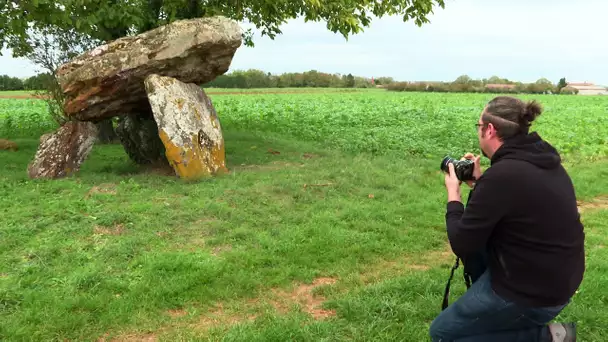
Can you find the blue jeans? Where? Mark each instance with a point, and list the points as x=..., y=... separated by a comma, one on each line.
x=481, y=315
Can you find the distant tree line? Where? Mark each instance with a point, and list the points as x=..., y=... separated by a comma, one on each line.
x=37, y=82
x=253, y=78
x=494, y=84
x=238, y=79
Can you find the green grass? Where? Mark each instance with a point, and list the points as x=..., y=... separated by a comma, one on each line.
x=111, y=251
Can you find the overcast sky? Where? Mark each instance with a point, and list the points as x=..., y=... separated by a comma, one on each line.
x=517, y=39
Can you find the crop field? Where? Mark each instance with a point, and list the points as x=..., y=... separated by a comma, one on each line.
x=329, y=226
x=376, y=122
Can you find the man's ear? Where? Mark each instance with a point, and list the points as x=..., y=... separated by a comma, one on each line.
x=492, y=129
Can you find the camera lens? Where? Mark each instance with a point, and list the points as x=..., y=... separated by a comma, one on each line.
x=462, y=168
x=444, y=164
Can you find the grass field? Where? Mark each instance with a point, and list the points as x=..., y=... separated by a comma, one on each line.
x=338, y=236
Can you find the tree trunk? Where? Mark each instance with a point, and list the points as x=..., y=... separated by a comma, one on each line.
x=106, y=135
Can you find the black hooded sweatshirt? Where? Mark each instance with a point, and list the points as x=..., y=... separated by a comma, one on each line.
x=523, y=213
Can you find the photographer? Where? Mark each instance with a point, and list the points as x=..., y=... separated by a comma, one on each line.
x=520, y=235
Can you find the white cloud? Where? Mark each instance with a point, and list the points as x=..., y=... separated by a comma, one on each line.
x=16, y=67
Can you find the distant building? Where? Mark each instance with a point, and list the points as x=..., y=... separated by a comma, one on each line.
x=585, y=88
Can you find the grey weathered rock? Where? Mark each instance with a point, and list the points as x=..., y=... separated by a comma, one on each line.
x=138, y=135
x=109, y=80
x=60, y=154
x=188, y=126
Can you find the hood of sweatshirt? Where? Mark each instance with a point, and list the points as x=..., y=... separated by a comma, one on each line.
x=531, y=148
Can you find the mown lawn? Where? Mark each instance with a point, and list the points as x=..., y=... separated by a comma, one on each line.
x=309, y=244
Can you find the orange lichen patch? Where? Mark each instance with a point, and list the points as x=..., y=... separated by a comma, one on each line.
x=76, y=98
x=196, y=161
x=116, y=230
x=598, y=203
x=303, y=295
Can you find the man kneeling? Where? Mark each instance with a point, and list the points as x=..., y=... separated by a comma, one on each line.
x=522, y=224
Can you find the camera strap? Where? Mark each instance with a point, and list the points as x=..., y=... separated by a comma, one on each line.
x=446, y=294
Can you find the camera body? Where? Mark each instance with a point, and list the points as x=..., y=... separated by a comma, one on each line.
x=463, y=168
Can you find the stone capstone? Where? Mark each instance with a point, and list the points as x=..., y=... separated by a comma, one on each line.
x=60, y=154
x=109, y=80
x=188, y=126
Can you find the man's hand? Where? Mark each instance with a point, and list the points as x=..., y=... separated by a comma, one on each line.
x=452, y=184
x=476, y=169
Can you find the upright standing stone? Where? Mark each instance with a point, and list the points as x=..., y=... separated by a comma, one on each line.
x=60, y=154
x=138, y=135
x=188, y=126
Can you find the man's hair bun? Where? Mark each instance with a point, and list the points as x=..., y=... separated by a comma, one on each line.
x=531, y=111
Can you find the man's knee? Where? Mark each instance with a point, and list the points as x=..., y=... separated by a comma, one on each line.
x=439, y=329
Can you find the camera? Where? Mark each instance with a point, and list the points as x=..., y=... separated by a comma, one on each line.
x=462, y=168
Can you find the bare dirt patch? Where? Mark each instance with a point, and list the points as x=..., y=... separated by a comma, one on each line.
x=218, y=316
x=424, y=262
x=130, y=338
x=157, y=169
x=273, y=166
x=117, y=229
x=20, y=97
x=304, y=295
x=309, y=155
x=106, y=188
x=598, y=203
x=177, y=313
x=217, y=250
x=206, y=220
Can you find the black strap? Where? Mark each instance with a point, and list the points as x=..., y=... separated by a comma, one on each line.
x=467, y=279
x=446, y=294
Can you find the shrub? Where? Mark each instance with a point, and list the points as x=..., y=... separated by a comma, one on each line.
x=569, y=91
